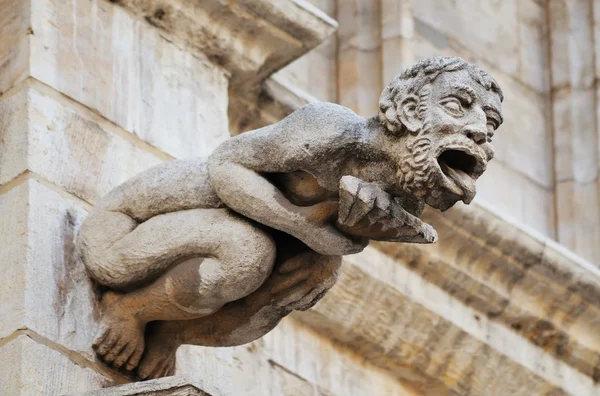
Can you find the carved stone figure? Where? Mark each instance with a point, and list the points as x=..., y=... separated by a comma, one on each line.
x=217, y=252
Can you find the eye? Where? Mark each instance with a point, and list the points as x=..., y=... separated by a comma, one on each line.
x=452, y=106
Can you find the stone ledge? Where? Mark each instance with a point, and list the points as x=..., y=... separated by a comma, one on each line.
x=168, y=386
x=490, y=297
x=251, y=39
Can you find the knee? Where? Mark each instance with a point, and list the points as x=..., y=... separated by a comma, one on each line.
x=99, y=232
x=249, y=263
x=194, y=284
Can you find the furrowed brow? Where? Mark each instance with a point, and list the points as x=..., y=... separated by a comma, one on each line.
x=464, y=91
x=496, y=113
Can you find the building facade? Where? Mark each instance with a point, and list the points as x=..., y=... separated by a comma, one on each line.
x=92, y=92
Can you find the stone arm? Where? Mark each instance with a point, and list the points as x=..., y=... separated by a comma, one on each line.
x=237, y=172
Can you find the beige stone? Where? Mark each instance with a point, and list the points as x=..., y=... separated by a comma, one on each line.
x=397, y=31
x=123, y=68
x=29, y=368
x=171, y=386
x=578, y=215
x=300, y=357
x=66, y=144
x=533, y=45
x=576, y=138
x=575, y=121
x=510, y=192
x=506, y=34
x=48, y=291
x=15, y=41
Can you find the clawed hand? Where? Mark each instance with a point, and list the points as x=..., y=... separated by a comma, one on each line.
x=368, y=211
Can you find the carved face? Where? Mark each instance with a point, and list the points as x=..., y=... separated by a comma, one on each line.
x=452, y=123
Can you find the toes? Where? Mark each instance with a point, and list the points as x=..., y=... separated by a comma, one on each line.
x=107, y=344
x=124, y=355
x=292, y=280
x=171, y=370
x=294, y=294
x=115, y=351
x=292, y=264
x=309, y=300
x=100, y=339
x=134, y=360
x=168, y=369
x=146, y=368
x=158, y=369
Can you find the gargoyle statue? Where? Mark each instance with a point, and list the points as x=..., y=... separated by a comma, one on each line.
x=217, y=252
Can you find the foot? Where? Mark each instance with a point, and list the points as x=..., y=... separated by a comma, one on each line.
x=120, y=339
x=159, y=359
x=303, y=280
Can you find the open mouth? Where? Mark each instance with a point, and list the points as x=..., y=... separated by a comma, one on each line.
x=460, y=170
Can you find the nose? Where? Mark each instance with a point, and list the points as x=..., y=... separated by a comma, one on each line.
x=476, y=133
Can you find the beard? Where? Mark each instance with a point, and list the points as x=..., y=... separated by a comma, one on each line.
x=417, y=171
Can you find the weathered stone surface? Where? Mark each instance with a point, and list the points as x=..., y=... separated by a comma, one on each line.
x=575, y=121
x=46, y=290
x=509, y=34
x=14, y=42
x=397, y=27
x=261, y=35
x=359, y=68
x=127, y=71
x=489, y=299
x=44, y=132
x=29, y=368
x=510, y=192
x=171, y=386
x=296, y=360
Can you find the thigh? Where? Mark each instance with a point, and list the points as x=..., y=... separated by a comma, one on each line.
x=244, y=251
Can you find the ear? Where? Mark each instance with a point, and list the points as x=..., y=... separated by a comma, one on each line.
x=408, y=113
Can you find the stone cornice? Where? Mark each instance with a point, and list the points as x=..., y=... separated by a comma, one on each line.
x=167, y=386
x=251, y=39
x=489, y=297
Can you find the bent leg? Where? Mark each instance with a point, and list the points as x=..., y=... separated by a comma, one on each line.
x=297, y=283
x=212, y=257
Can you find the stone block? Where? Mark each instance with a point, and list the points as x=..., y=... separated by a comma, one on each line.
x=302, y=361
x=578, y=216
x=46, y=289
x=29, y=368
x=397, y=28
x=120, y=66
x=533, y=46
x=572, y=43
x=211, y=369
x=360, y=80
x=360, y=25
x=315, y=72
x=510, y=192
x=169, y=386
x=14, y=143
x=575, y=136
x=65, y=143
x=488, y=28
x=510, y=35
x=15, y=33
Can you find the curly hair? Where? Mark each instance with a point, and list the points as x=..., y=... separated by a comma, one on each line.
x=412, y=81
